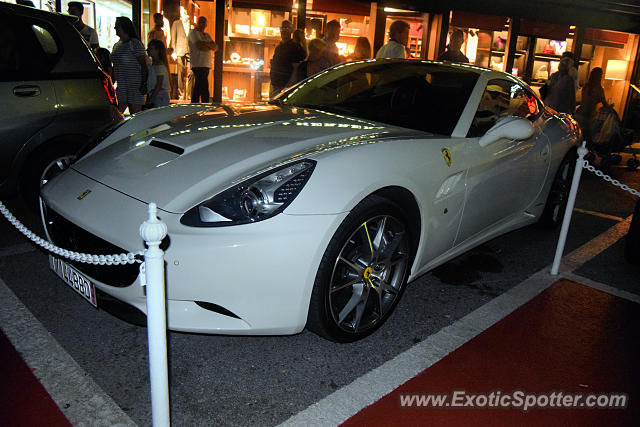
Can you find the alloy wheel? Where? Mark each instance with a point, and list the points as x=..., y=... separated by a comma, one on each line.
x=368, y=274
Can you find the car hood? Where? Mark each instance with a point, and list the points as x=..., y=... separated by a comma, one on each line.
x=181, y=162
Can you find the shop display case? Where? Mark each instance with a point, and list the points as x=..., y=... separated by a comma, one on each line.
x=244, y=69
x=249, y=47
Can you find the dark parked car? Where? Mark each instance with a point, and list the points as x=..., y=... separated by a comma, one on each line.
x=54, y=97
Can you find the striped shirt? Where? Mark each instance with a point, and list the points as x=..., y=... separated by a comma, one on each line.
x=126, y=70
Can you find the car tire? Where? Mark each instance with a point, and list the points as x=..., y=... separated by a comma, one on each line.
x=632, y=240
x=45, y=165
x=363, y=272
x=556, y=203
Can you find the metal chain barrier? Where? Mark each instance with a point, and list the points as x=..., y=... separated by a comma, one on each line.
x=115, y=259
x=607, y=178
x=581, y=163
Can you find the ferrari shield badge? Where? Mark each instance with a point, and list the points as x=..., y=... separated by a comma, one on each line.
x=447, y=156
x=83, y=194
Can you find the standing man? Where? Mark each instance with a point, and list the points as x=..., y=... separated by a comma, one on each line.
x=200, y=47
x=157, y=32
x=286, y=53
x=453, y=52
x=331, y=36
x=396, y=47
x=76, y=8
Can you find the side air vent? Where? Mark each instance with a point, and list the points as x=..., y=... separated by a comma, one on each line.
x=166, y=146
x=216, y=309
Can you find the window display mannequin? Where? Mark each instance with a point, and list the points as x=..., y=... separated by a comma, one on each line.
x=180, y=48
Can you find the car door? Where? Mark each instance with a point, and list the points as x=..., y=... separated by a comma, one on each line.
x=28, y=98
x=504, y=177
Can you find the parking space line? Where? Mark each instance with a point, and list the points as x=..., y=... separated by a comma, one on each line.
x=345, y=402
x=598, y=214
x=596, y=245
x=81, y=400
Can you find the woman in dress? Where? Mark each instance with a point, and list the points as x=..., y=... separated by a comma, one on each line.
x=592, y=95
x=158, y=82
x=129, y=67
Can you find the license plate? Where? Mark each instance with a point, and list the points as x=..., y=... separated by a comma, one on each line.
x=75, y=279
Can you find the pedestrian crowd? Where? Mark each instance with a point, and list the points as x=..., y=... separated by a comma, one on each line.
x=295, y=59
x=141, y=76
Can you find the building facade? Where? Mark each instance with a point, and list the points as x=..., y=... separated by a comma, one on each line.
x=523, y=38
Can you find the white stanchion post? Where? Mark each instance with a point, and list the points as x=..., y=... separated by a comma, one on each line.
x=582, y=151
x=153, y=231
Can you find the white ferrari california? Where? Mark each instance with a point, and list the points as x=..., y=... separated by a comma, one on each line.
x=317, y=208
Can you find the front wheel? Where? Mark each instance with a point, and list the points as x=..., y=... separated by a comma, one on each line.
x=44, y=167
x=559, y=194
x=363, y=272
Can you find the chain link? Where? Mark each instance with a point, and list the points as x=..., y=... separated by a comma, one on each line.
x=607, y=178
x=115, y=259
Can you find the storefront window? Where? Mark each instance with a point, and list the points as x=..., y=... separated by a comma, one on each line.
x=483, y=47
x=614, y=52
x=253, y=35
x=520, y=57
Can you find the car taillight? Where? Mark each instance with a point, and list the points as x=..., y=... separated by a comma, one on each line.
x=108, y=88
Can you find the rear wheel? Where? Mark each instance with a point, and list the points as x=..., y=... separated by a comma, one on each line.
x=559, y=194
x=363, y=272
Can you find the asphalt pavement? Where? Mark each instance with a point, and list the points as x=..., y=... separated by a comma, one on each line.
x=230, y=380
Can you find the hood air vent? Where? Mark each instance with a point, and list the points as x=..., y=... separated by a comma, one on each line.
x=168, y=147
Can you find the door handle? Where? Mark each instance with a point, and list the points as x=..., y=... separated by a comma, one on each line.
x=26, y=91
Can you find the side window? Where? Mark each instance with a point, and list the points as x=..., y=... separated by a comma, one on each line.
x=503, y=98
x=46, y=40
x=28, y=49
x=10, y=58
x=46, y=49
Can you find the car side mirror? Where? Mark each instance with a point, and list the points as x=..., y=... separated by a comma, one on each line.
x=507, y=127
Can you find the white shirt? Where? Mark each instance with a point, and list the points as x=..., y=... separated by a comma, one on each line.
x=199, y=58
x=155, y=71
x=90, y=35
x=392, y=49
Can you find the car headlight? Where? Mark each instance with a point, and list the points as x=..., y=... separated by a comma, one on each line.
x=253, y=200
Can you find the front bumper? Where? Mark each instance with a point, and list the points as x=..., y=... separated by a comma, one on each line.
x=246, y=279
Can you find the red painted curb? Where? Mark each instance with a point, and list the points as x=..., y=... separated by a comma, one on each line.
x=23, y=400
x=570, y=337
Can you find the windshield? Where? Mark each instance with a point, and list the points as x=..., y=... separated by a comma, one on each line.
x=414, y=94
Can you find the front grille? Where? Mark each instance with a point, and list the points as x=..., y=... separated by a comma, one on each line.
x=70, y=236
